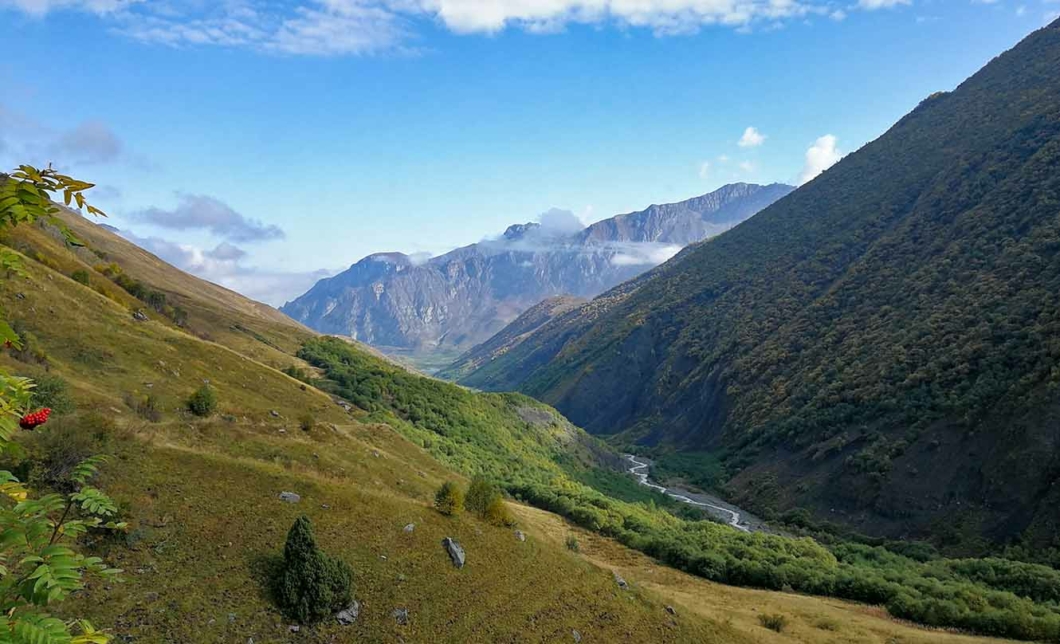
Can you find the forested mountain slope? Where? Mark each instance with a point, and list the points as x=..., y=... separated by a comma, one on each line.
x=882, y=345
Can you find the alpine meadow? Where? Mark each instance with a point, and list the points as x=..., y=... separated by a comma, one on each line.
x=288, y=357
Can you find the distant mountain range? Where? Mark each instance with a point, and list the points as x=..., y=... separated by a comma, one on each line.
x=881, y=347
x=454, y=301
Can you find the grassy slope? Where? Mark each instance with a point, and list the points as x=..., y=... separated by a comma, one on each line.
x=202, y=494
x=194, y=486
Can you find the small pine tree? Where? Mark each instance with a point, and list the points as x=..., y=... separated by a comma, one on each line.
x=449, y=499
x=312, y=585
x=203, y=402
x=480, y=494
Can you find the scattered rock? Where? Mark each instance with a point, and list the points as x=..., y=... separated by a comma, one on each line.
x=456, y=553
x=325, y=506
x=375, y=453
x=274, y=413
x=20, y=296
x=670, y=609
x=401, y=615
x=576, y=635
x=139, y=316
x=250, y=640
x=409, y=528
x=290, y=497
x=519, y=535
x=349, y=615
x=382, y=557
x=231, y=617
x=621, y=582
x=294, y=628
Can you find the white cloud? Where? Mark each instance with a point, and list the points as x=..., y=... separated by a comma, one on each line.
x=872, y=5
x=823, y=154
x=200, y=212
x=644, y=254
x=342, y=27
x=746, y=166
x=751, y=138
x=704, y=170
x=92, y=142
x=224, y=265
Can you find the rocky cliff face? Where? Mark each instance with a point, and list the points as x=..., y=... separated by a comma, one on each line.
x=461, y=298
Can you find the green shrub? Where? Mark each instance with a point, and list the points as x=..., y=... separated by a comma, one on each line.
x=56, y=448
x=480, y=494
x=311, y=585
x=572, y=543
x=307, y=422
x=52, y=392
x=449, y=499
x=774, y=622
x=497, y=513
x=145, y=405
x=80, y=276
x=203, y=402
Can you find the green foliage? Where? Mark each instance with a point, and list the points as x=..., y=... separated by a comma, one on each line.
x=774, y=622
x=203, y=402
x=56, y=449
x=572, y=543
x=449, y=499
x=498, y=514
x=146, y=406
x=311, y=585
x=80, y=276
x=480, y=493
x=52, y=392
x=307, y=422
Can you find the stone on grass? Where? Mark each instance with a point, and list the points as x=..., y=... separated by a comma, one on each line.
x=410, y=527
x=349, y=615
x=576, y=635
x=618, y=580
x=670, y=609
x=290, y=497
x=519, y=535
x=401, y=615
x=456, y=553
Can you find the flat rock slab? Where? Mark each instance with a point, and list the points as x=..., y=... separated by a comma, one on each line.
x=290, y=497
x=456, y=553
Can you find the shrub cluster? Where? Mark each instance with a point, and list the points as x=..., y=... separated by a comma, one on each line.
x=156, y=300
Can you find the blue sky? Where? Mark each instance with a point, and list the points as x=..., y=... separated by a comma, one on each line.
x=260, y=142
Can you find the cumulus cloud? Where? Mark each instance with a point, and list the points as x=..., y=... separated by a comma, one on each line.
x=223, y=265
x=200, y=212
x=557, y=222
x=823, y=154
x=751, y=138
x=343, y=27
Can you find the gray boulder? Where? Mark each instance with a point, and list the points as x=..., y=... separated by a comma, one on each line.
x=456, y=553
x=290, y=497
x=401, y=615
x=621, y=582
x=350, y=614
x=519, y=535
x=410, y=527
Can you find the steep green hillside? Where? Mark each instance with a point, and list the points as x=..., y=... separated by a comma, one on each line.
x=882, y=346
x=475, y=359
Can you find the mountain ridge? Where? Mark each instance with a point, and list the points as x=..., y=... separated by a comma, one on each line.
x=465, y=296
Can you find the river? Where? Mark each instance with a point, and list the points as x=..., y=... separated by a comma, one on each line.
x=734, y=516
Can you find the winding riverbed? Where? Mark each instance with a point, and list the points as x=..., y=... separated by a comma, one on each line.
x=736, y=517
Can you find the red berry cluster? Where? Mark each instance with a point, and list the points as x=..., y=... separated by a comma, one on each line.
x=34, y=420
